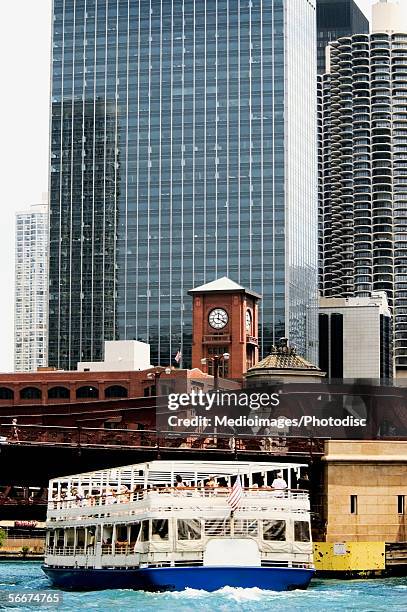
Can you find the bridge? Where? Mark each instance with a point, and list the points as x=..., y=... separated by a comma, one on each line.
x=31, y=455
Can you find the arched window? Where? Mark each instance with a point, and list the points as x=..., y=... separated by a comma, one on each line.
x=116, y=391
x=87, y=392
x=30, y=393
x=6, y=393
x=58, y=393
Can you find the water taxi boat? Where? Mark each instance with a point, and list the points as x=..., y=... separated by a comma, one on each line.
x=171, y=525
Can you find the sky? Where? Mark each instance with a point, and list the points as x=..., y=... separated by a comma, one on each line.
x=25, y=42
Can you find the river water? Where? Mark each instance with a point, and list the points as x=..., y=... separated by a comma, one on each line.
x=322, y=596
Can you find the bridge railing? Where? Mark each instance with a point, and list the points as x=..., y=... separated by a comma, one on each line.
x=51, y=435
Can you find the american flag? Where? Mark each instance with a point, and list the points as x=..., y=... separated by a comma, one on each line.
x=236, y=494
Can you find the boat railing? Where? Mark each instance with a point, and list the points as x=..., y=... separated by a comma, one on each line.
x=166, y=558
x=64, y=550
x=137, y=495
x=123, y=549
x=70, y=550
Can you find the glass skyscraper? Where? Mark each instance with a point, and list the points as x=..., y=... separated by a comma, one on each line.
x=184, y=148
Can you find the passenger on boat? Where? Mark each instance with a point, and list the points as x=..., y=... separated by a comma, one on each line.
x=262, y=486
x=210, y=484
x=78, y=495
x=110, y=497
x=124, y=494
x=178, y=481
x=91, y=539
x=107, y=546
x=137, y=492
x=303, y=482
x=279, y=484
x=222, y=487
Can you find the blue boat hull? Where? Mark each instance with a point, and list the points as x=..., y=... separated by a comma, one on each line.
x=180, y=578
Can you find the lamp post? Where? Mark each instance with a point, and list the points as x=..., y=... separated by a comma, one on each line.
x=216, y=360
x=156, y=376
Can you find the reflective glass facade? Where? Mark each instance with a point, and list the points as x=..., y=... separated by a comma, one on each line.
x=183, y=149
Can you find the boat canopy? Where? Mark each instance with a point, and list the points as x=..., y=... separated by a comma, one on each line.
x=164, y=472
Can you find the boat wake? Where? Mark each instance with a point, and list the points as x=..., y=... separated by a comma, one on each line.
x=321, y=596
x=234, y=593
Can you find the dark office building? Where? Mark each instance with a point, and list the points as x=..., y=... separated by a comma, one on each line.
x=183, y=149
x=85, y=188
x=336, y=18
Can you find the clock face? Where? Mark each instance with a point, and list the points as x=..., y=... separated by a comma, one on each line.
x=218, y=318
x=248, y=321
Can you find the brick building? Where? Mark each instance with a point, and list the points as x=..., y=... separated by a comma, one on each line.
x=88, y=399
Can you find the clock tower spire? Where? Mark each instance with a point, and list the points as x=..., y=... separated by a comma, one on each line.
x=225, y=320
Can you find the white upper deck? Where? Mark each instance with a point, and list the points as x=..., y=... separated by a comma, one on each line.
x=159, y=488
x=154, y=473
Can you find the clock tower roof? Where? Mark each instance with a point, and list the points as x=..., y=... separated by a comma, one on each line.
x=223, y=285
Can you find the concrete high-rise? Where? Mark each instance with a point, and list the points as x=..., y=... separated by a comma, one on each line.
x=31, y=289
x=335, y=18
x=183, y=149
x=364, y=176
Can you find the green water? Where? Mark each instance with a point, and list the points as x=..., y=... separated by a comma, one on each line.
x=322, y=596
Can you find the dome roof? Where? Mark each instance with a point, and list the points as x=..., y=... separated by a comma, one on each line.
x=283, y=359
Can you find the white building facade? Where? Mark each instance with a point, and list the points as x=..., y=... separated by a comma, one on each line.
x=120, y=356
x=355, y=337
x=31, y=289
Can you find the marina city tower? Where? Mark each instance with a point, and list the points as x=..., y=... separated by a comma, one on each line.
x=364, y=172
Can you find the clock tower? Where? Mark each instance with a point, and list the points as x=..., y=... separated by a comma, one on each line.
x=225, y=320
